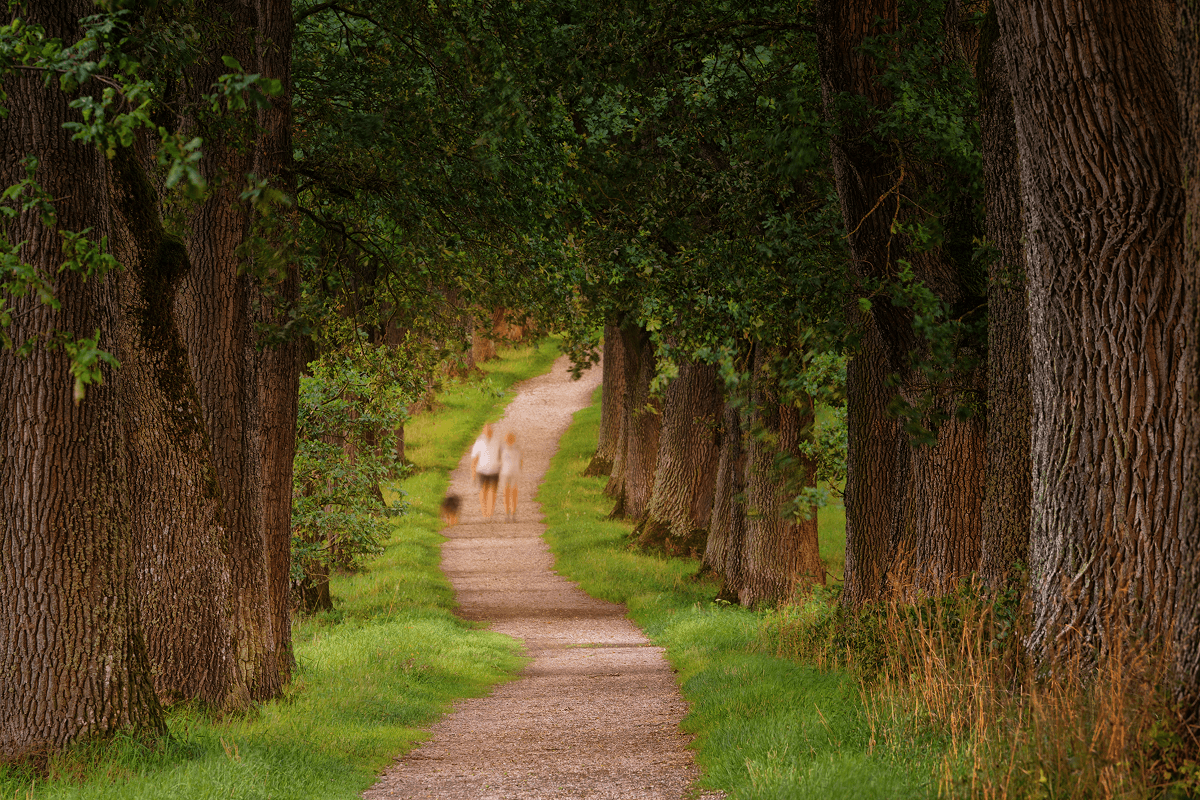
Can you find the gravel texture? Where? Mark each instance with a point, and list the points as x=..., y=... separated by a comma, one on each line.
x=596, y=713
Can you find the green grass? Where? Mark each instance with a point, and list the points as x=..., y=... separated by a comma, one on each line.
x=766, y=727
x=371, y=675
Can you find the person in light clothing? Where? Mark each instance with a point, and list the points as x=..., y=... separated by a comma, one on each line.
x=485, y=465
x=510, y=471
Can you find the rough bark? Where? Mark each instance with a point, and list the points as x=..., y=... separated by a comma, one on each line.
x=782, y=557
x=182, y=571
x=610, y=404
x=1006, y=505
x=1187, y=616
x=903, y=491
x=681, y=499
x=214, y=307
x=73, y=663
x=642, y=422
x=631, y=352
x=724, y=552
x=278, y=367
x=1112, y=319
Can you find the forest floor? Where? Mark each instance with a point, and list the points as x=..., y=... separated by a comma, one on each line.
x=596, y=712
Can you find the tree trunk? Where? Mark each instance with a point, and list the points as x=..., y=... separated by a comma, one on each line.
x=874, y=464
x=1187, y=614
x=642, y=422
x=681, y=499
x=73, y=662
x=182, y=571
x=278, y=367
x=1006, y=505
x=612, y=394
x=1112, y=320
x=901, y=495
x=724, y=552
x=782, y=554
x=214, y=307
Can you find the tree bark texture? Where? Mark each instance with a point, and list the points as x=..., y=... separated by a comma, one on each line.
x=903, y=493
x=612, y=393
x=73, y=662
x=782, y=554
x=1006, y=505
x=182, y=571
x=681, y=499
x=725, y=551
x=214, y=307
x=643, y=422
x=1187, y=615
x=1112, y=319
x=278, y=366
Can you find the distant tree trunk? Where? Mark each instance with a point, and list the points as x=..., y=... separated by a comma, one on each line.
x=73, y=661
x=612, y=395
x=1006, y=509
x=630, y=361
x=483, y=342
x=724, y=552
x=1187, y=608
x=874, y=464
x=681, y=498
x=643, y=423
x=937, y=543
x=782, y=555
x=903, y=494
x=1113, y=321
x=278, y=367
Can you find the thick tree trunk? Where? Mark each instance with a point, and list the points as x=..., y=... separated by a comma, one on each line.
x=215, y=308
x=182, y=570
x=681, y=499
x=612, y=395
x=725, y=551
x=782, y=555
x=643, y=423
x=73, y=662
x=630, y=362
x=1187, y=607
x=278, y=366
x=1112, y=320
x=1006, y=505
x=902, y=494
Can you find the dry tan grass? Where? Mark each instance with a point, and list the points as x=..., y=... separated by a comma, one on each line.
x=958, y=668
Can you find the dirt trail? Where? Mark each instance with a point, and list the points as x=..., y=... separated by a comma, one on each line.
x=596, y=712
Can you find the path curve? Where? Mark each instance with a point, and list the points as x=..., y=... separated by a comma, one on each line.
x=596, y=713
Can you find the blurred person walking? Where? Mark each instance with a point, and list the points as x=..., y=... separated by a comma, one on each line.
x=485, y=465
x=510, y=471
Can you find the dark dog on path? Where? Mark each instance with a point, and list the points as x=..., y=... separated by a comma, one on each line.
x=449, y=511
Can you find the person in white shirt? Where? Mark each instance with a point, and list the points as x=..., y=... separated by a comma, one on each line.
x=510, y=471
x=485, y=465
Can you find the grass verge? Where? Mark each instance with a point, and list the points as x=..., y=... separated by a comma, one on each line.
x=766, y=727
x=371, y=675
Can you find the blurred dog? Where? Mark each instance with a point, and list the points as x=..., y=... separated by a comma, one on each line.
x=449, y=511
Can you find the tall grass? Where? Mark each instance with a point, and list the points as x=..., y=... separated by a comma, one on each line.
x=958, y=669
x=370, y=676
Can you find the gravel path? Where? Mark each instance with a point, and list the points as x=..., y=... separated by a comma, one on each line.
x=596, y=713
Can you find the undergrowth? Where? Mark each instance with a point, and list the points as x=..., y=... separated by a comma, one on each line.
x=958, y=668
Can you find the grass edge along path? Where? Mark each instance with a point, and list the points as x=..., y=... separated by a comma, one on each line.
x=371, y=676
x=766, y=727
